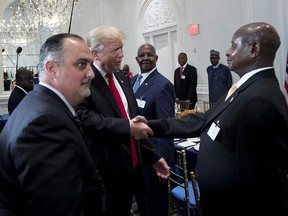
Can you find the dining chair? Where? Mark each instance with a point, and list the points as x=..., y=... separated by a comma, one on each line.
x=180, y=188
x=196, y=192
x=207, y=105
x=184, y=105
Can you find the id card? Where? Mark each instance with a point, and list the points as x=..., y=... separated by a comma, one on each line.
x=141, y=103
x=213, y=131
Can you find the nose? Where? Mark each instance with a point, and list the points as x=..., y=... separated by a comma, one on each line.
x=90, y=73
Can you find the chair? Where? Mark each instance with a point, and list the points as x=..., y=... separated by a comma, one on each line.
x=196, y=192
x=184, y=105
x=181, y=193
x=207, y=105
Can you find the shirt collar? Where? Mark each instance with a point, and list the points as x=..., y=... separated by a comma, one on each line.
x=245, y=77
x=60, y=95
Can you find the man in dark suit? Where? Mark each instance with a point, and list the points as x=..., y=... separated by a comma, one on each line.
x=243, y=159
x=45, y=166
x=185, y=81
x=110, y=126
x=156, y=99
x=24, y=84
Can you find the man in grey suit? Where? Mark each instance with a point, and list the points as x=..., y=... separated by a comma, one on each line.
x=45, y=166
x=243, y=159
x=111, y=127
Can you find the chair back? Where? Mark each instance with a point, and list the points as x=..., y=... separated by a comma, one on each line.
x=181, y=194
x=184, y=105
x=196, y=191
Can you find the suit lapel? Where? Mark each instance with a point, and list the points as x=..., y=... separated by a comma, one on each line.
x=101, y=85
x=222, y=105
x=148, y=82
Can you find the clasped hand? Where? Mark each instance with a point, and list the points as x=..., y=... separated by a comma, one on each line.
x=139, y=128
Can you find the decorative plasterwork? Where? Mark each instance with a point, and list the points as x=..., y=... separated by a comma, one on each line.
x=158, y=14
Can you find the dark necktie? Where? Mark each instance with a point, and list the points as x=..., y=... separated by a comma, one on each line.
x=137, y=83
x=123, y=112
x=181, y=71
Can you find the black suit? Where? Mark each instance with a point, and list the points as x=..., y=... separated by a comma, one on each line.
x=243, y=170
x=186, y=85
x=45, y=166
x=15, y=98
x=108, y=135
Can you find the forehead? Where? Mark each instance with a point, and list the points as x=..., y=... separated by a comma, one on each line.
x=77, y=47
x=146, y=49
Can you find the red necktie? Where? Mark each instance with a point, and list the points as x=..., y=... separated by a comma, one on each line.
x=181, y=71
x=123, y=112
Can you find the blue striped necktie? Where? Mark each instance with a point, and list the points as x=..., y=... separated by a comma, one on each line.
x=137, y=83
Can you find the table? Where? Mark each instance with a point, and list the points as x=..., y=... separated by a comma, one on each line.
x=191, y=154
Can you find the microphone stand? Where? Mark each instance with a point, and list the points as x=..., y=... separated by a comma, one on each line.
x=71, y=15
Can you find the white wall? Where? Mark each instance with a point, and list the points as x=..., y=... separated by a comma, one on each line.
x=218, y=21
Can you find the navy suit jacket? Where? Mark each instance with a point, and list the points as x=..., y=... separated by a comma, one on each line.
x=186, y=88
x=45, y=166
x=15, y=98
x=159, y=96
x=246, y=165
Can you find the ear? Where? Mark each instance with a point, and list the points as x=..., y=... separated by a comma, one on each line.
x=137, y=59
x=51, y=68
x=156, y=58
x=255, y=48
x=95, y=56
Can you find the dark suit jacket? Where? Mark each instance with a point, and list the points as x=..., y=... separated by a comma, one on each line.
x=108, y=134
x=45, y=165
x=159, y=96
x=15, y=98
x=186, y=88
x=245, y=167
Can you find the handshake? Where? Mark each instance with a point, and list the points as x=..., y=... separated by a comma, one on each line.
x=139, y=128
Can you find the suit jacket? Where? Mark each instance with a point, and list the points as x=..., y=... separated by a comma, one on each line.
x=219, y=81
x=158, y=94
x=15, y=98
x=245, y=166
x=45, y=165
x=108, y=133
x=186, y=86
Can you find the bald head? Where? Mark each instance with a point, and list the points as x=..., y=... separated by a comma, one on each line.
x=253, y=46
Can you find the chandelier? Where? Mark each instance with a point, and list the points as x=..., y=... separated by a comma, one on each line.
x=20, y=29
x=51, y=13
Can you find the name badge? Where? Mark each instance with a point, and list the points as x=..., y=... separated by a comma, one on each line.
x=141, y=103
x=213, y=131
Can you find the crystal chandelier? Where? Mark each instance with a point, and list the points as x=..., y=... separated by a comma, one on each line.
x=51, y=13
x=20, y=29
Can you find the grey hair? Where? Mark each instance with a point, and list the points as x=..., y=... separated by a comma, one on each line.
x=99, y=36
x=53, y=50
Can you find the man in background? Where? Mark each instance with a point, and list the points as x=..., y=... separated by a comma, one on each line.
x=185, y=81
x=156, y=99
x=24, y=84
x=219, y=77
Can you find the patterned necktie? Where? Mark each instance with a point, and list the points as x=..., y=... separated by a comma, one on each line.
x=231, y=91
x=137, y=83
x=181, y=71
x=117, y=97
